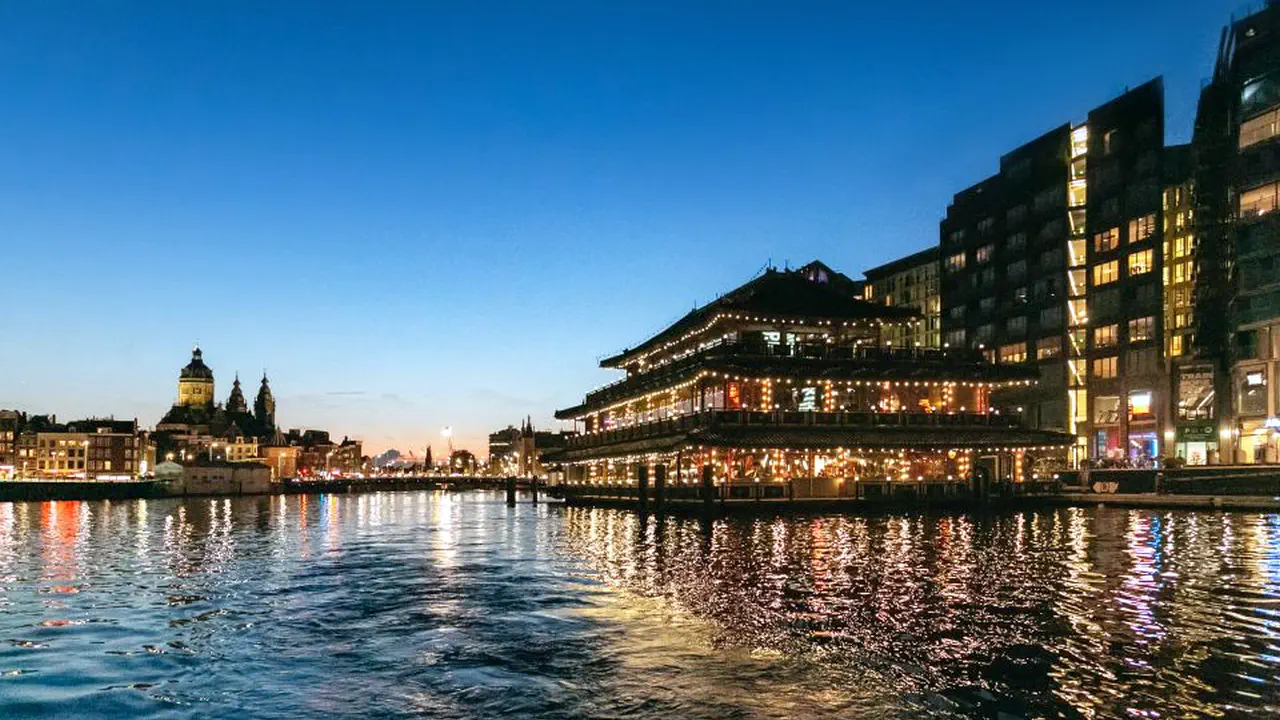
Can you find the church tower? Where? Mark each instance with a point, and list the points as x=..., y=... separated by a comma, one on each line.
x=236, y=402
x=195, y=382
x=264, y=406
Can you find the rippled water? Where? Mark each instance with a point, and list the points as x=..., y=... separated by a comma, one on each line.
x=457, y=606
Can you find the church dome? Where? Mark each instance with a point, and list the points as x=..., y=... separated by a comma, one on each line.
x=196, y=369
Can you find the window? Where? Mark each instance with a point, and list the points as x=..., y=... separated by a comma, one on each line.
x=985, y=278
x=1050, y=347
x=1075, y=251
x=1017, y=270
x=1196, y=395
x=1140, y=262
x=955, y=262
x=1020, y=295
x=1106, y=240
x=987, y=304
x=1140, y=361
x=954, y=337
x=1142, y=228
x=1015, y=353
x=1016, y=325
x=1016, y=215
x=1139, y=404
x=1258, y=201
x=1143, y=328
x=1258, y=129
x=1079, y=311
x=1105, y=368
x=956, y=313
x=984, y=254
x=1106, y=410
x=1076, y=281
x=1110, y=141
x=1051, y=318
x=1051, y=259
x=1016, y=241
x=984, y=334
x=1106, y=336
x=986, y=225
x=1105, y=303
x=1253, y=393
x=1050, y=199
x=1107, y=272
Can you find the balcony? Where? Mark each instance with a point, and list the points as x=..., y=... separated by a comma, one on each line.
x=786, y=420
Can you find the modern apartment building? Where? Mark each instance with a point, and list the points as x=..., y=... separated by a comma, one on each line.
x=1237, y=156
x=1056, y=261
x=911, y=281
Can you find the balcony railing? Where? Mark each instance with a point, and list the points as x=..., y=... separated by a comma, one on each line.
x=788, y=420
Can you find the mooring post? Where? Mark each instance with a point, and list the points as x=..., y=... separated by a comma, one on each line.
x=659, y=488
x=533, y=488
x=708, y=486
x=642, y=484
x=511, y=490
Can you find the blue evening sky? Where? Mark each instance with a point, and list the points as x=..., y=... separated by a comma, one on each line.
x=418, y=214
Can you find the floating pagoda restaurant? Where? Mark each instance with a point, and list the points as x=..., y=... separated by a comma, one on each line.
x=784, y=390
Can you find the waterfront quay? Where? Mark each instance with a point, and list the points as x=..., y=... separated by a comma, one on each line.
x=145, y=488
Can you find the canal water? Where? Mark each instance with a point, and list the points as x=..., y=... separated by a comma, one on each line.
x=456, y=606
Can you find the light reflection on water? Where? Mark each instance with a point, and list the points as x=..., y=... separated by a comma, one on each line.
x=457, y=606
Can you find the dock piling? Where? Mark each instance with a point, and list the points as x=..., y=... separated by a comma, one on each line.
x=642, y=484
x=511, y=490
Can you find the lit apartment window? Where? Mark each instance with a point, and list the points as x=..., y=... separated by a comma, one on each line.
x=1181, y=272
x=1140, y=262
x=1142, y=228
x=1079, y=311
x=1106, y=240
x=955, y=262
x=1106, y=410
x=1175, y=346
x=1260, y=128
x=1107, y=272
x=1143, y=328
x=1140, y=404
x=1104, y=368
x=1015, y=353
x=984, y=253
x=1047, y=348
x=1258, y=201
x=1106, y=336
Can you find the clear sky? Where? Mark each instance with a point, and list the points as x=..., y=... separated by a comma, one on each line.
x=422, y=214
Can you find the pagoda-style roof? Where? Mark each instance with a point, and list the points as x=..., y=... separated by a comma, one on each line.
x=815, y=363
x=815, y=431
x=812, y=293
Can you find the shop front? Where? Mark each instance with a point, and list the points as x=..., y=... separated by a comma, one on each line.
x=1197, y=443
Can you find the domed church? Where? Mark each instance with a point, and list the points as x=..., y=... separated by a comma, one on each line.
x=196, y=415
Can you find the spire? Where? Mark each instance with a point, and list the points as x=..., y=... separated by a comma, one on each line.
x=264, y=406
x=236, y=402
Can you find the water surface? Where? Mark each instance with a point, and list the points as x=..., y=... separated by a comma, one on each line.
x=456, y=606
